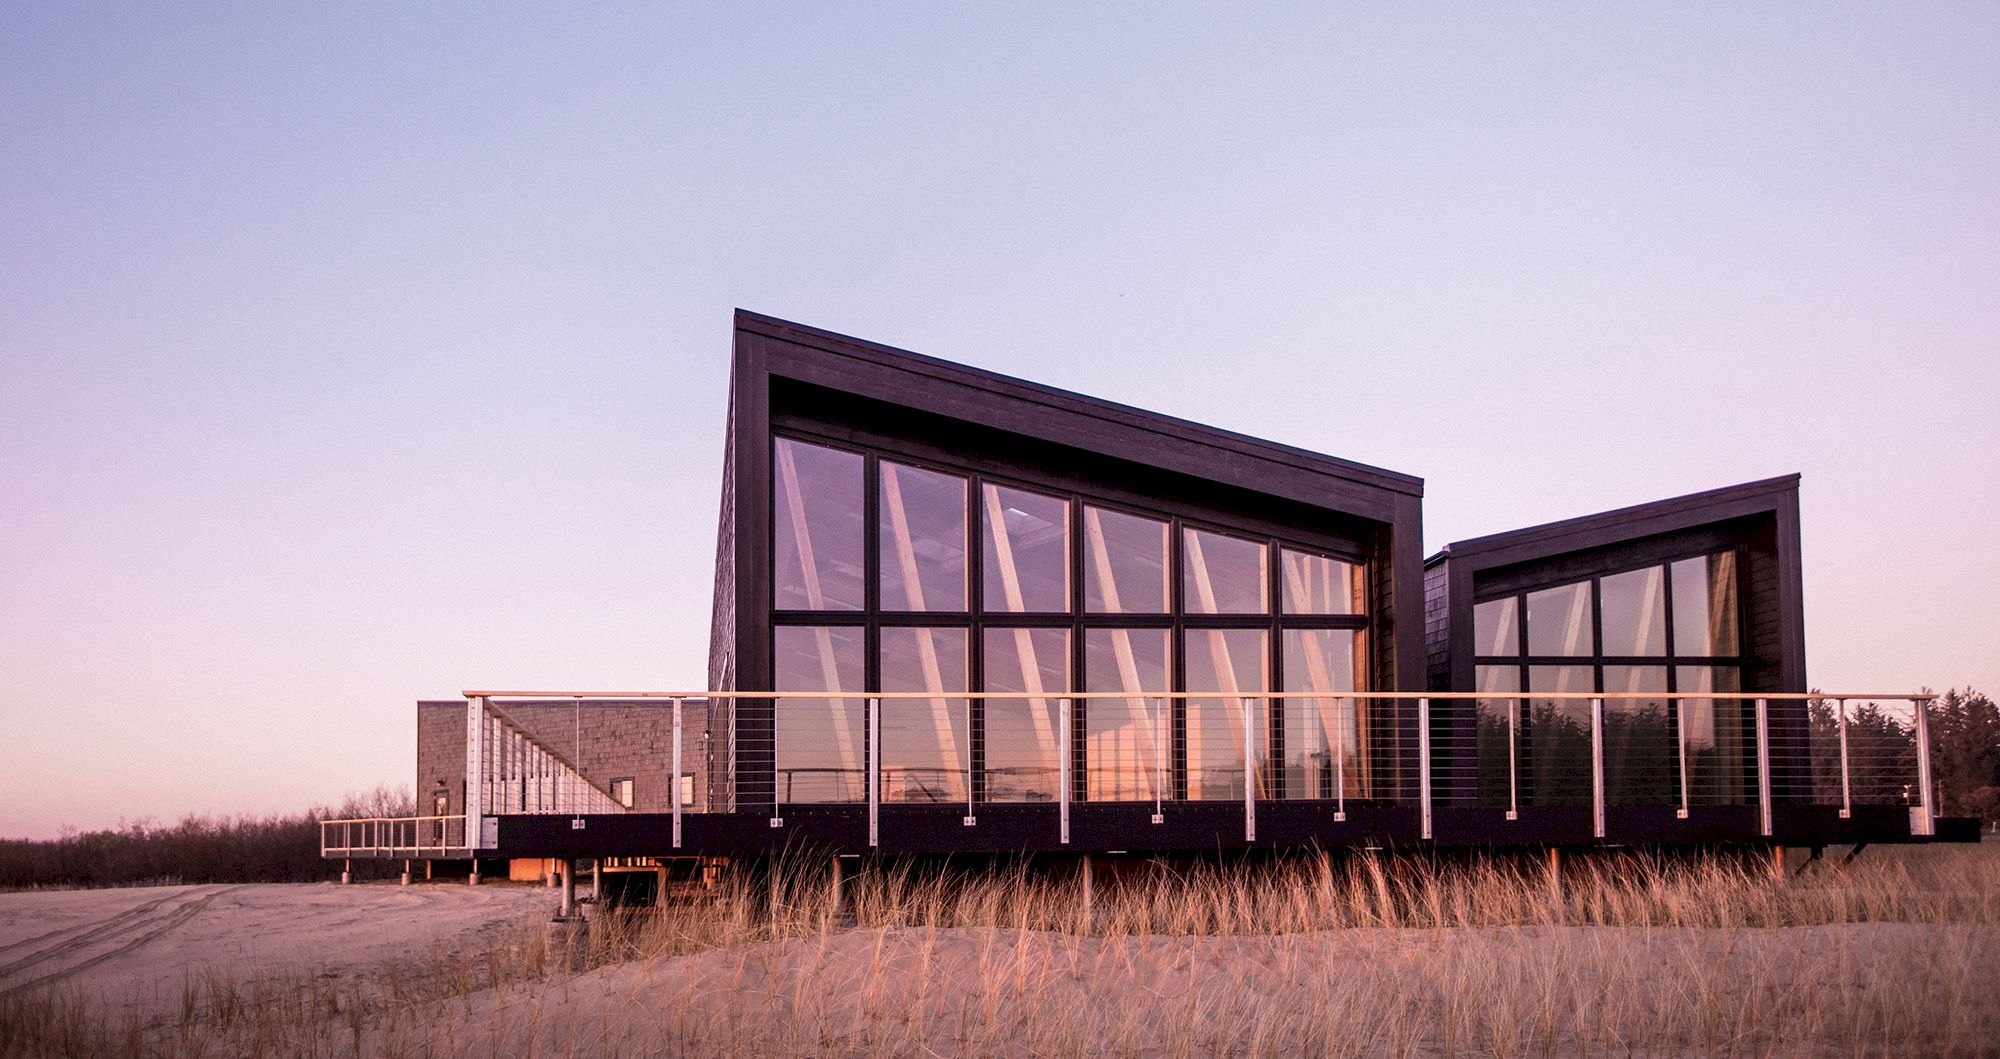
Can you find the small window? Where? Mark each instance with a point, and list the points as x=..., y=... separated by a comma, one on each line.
x=621, y=789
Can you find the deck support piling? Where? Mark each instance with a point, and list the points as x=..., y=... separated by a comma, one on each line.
x=346, y=871
x=836, y=898
x=473, y=879
x=407, y=868
x=568, y=906
x=1088, y=897
x=1555, y=876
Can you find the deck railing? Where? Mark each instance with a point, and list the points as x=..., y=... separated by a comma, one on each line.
x=393, y=836
x=1511, y=752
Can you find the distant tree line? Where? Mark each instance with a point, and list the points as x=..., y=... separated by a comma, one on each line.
x=1965, y=755
x=197, y=849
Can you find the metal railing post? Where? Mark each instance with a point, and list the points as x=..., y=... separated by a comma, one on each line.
x=1249, y=775
x=1681, y=752
x=1764, y=824
x=971, y=818
x=1597, y=767
x=1424, y=766
x=475, y=767
x=1340, y=762
x=1513, y=759
x=1925, y=822
x=1846, y=783
x=1062, y=777
x=1160, y=751
x=674, y=783
x=874, y=708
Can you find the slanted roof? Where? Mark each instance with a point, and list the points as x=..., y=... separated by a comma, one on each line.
x=844, y=363
x=1764, y=496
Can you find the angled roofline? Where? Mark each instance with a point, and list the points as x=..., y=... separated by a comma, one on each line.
x=1125, y=418
x=1625, y=523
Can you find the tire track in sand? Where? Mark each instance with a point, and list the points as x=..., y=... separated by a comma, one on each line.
x=113, y=937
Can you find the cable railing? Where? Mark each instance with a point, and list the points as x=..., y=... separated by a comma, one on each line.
x=1515, y=754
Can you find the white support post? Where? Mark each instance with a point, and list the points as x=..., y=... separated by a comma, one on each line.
x=1062, y=770
x=1339, y=760
x=1424, y=767
x=1514, y=758
x=1924, y=822
x=1597, y=767
x=1249, y=770
x=1764, y=824
x=1681, y=751
x=1846, y=784
x=971, y=818
x=874, y=709
x=475, y=769
x=674, y=781
x=1160, y=752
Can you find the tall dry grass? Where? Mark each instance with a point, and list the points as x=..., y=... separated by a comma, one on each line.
x=1897, y=954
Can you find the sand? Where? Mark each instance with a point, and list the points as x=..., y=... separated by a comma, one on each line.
x=136, y=949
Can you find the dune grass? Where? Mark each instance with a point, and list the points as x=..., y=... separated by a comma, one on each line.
x=1897, y=954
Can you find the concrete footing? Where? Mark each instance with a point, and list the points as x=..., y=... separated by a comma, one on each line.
x=568, y=942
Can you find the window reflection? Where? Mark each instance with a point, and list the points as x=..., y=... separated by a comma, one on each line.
x=1640, y=755
x=924, y=745
x=1130, y=743
x=1223, y=575
x=1719, y=741
x=816, y=527
x=1633, y=609
x=1705, y=605
x=820, y=743
x=1230, y=663
x=1023, y=736
x=1558, y=735
x=1496, y=627
x=921, y=539
x=1498, y=731
x=1025, y=551
x=1559, y=621
x=1317, y=584
x=1325, y=739
x=1124, y=563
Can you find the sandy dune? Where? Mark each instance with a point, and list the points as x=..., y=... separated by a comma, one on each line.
x=136, y=948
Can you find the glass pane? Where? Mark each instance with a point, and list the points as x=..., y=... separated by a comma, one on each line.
x=1558, y=736
x=1129, y=747
x=1223, y=575
x=1230, y=662
x=1025, y=551
x=1023, y=737
x=1705, y=605
x=816, y=527
x=1632, y=608
x=820, y=744
x=921, y=539
x=1641, y=760
x=924, y=746
x=1325, y=741
x=1499, y=736
x=1496, y=627
x=1315, y=584
x=1124, y=563
x=1721, y=736
x=1559, y=621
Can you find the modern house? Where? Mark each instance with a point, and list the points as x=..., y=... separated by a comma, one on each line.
x=960, y=613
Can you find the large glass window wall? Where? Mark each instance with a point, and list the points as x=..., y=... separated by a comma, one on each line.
x=894, y=576
x=1639, y=635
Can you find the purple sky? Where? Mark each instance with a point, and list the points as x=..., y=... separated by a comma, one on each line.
x=360, y=354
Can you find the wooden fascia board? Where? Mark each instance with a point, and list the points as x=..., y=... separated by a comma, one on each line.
x=1165, y=444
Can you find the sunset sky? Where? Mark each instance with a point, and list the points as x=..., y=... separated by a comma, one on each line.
x=352, y=354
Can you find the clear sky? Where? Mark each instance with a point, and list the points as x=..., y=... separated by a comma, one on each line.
x=351, y=354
